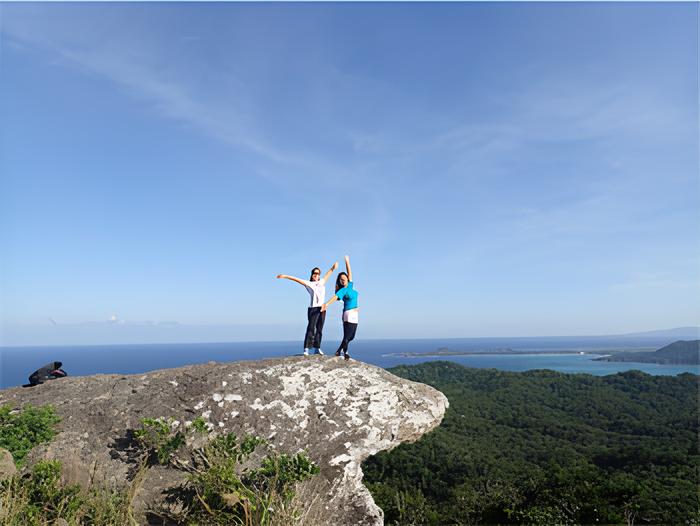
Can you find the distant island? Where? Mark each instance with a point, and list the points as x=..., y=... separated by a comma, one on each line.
x=677, y=353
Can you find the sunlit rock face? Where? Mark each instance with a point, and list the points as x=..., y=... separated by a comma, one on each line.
x=339, y=412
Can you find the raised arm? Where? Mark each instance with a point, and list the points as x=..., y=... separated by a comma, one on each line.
x=328, y=274
x=284, y=276
x=347, y=267
x=325, y=305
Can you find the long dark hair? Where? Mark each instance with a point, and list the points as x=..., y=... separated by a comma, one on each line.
x=338, y=285
x=312, y=273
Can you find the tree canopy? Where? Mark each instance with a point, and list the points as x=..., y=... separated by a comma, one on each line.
x=543, y=447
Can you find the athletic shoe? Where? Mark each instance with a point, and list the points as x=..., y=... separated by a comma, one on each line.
x=347, y=356
x=337, y=353
x=319, y=351
x=306, y=352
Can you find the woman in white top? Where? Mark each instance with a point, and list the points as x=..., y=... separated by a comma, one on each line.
x=316, y=285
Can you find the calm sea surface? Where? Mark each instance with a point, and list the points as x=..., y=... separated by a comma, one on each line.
x=17, y=363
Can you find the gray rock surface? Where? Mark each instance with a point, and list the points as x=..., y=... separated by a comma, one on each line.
x=7, y=464
x=340, y=412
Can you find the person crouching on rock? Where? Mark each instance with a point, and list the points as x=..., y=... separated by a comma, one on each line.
x=345, y=291
x=50, y=371
x=316, y=286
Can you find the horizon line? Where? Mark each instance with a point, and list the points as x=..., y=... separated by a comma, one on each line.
x=639, y=334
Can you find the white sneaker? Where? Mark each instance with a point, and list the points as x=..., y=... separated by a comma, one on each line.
x=319, y=351
x=306, y=352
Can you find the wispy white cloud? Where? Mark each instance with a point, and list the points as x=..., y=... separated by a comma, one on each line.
x=137, y=69
x=227, y=110
x=174, y=100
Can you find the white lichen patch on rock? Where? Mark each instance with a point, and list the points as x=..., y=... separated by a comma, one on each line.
x=340, y=459
x=339, y=412
x=374, y=414
x=374, y=404
x=296, y=412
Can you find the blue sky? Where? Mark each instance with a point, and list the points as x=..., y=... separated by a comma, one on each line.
x=492, y=169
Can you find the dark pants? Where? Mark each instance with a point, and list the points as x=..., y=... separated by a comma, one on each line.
x=314, y=330
x=349, y=330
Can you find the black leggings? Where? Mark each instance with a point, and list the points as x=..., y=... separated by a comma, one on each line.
x=349, y=330
x=314, y=330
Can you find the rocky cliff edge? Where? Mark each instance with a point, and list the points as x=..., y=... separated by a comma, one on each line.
x=339, y=412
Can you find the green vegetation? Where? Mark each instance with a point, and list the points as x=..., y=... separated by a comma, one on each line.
x=227, y=481
x=21, y=430
x=222, y=489
x=156, y=436
x=543, y=447
x=39, y=498
x=199, y=424
x=224, y=485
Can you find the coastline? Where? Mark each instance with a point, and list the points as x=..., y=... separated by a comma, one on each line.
x=511, y=352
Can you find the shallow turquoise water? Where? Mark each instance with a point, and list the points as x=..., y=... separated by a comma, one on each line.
x=17, y=363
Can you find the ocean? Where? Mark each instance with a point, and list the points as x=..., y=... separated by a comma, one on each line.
x=17, y=363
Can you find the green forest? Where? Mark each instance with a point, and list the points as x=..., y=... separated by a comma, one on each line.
x=543, y=447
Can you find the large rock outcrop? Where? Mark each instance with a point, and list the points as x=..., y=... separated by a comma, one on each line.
x=340, y=412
